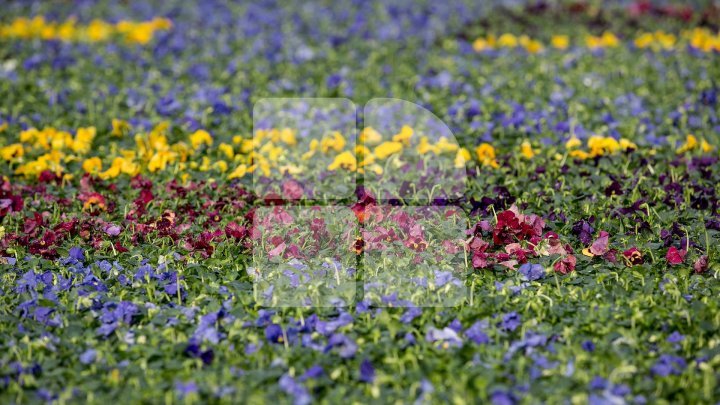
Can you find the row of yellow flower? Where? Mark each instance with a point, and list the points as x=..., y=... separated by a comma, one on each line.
x=602, y=146
x=270, y=153
x=698, y=38
x=140, y=32
x=273, y=150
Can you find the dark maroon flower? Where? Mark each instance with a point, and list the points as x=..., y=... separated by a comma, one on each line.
x=44, y=246
x=701, y=264
x=215, y=216
x=611, y=256
x=32, y=223
x=235, y=230
x=120, y=248
x=565, y=265
x=416, y=243
x=365, y=200
x=66, y=226
x=292, y=190
x=9, y=203
x=358, y=245
x=49, y=177
x=633, y=257
x=273, y=199
x=480, y=260
x=508, y=227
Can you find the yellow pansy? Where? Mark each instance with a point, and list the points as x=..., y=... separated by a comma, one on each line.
x=200, y=137
x=290, y=169
x=626, y=144
x=67, y=30
x=220, y=166
x=666, y=41
x=425, y=146
x=12, y=152
x=602, y=145
x=120, y=165
x=386, y=149
x=345, y=160
x=705, y=146
x=370, y=136
x=288, y=137
x=127, y=166
x=593, y=42
x=28, y=135
x=644, y=40
x=690, y=144
x=119, y=127
x=507, y=40
x=486, y=155
x=367, y=160
x=227, y=150
x=573, y=142
x=462, y=156
x=205, y=166
x=362, y=150
x=49, y=161
x=609, y=40
x=377, y=169
x=262, y=163
x=238, y=172
x=533, y=46
x=112, y=172
x=336, y=142
x=160, y=160
x=443, y=145
x=247, y=146
x=271, y=151
x=560, y=41
x=61, y=139
x=99, y=30
x=526, y=150
x=182, y=150
x=92, y=165
x=481, y=44
x=404, y=135
x=83, y=140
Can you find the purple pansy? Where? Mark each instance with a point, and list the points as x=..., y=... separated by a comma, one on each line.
x=88, y=356
x=668, y=364
x=367, y=371
x=532, y=272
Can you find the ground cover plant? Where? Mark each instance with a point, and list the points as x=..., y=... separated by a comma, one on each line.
x=538, y=221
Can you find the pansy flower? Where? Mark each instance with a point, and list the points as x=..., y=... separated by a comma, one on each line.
x=565, y=265
x=599, y=247
x=367, y=371
x=358, y=245
x=532, y=272
x=675, y=256
x=633, y=257
x=701, y=264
